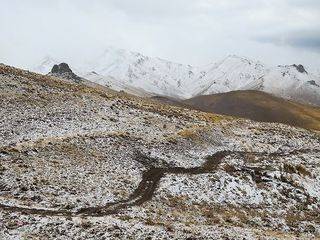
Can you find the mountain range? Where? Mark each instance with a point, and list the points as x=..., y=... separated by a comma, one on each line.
x=146, y=76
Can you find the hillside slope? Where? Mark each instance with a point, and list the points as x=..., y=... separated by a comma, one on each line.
x=259, y=106
x=79, y=162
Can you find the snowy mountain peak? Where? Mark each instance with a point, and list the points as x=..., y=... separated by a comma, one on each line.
x=232, y=73
x=112, y=53
x=117, y=53
x=234, y=59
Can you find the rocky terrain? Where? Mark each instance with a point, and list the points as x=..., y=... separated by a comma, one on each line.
x=86, y=162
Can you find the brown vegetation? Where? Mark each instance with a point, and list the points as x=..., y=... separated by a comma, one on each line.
x=259, y=106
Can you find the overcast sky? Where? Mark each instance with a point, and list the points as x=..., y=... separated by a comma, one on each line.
x=194, y=32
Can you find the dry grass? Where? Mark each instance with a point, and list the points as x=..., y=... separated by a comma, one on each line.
x=189, y=132
x=299, y=169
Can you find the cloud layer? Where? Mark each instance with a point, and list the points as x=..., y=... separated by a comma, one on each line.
x=187, y=31
x=305, y=40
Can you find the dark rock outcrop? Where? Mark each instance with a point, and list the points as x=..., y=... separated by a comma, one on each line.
x=312, y=82
x=300, y=68
x=63, y=70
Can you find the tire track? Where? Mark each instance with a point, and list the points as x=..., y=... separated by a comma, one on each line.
x=146, y=188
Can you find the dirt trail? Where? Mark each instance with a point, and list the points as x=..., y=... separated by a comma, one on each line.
x=145, y=190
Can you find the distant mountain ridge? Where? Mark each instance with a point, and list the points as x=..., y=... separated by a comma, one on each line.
x=258, y=106
x=142, y=75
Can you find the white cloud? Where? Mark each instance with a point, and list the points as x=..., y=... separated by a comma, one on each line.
x=188, y=31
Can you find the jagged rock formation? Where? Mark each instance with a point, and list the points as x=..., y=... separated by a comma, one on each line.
x=63, y=70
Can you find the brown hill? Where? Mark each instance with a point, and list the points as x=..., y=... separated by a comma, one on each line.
x=259, y=106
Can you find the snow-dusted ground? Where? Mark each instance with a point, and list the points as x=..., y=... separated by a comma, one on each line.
x=70, y=174
x=66, y=146
x=142, y=75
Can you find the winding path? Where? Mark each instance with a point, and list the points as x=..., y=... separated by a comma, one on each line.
x=145, y=190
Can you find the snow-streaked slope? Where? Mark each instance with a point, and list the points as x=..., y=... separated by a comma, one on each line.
x=154, y=75
x=233, y=73
x=115, y=84
x=142, y=75
x=290, y=83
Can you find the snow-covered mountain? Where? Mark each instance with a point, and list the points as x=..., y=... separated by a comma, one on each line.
x=154, y=75
x=138, y=74
x=292, y=82
x=236, y=73
x=120, y=69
